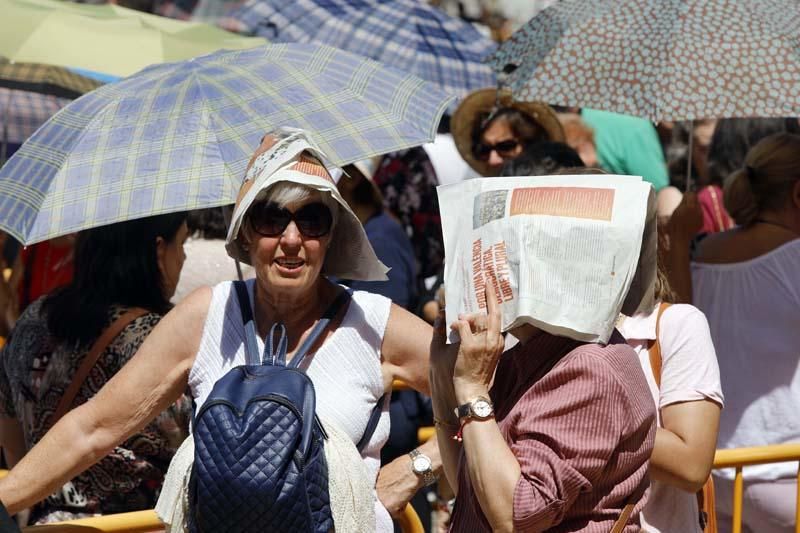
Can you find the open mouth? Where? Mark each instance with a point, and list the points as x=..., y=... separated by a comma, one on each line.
x=288, y=263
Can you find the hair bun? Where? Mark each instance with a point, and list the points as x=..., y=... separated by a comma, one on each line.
x=740, y=201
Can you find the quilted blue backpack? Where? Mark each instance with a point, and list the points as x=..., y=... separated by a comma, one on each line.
x=259, y=463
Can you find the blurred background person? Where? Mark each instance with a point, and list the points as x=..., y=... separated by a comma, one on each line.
x=541, y=159
x=37, y=270
x=118, y=269
x=385, y=234
x=580, y=137
x=489, y=128
x=744, y=280
x=627, y=145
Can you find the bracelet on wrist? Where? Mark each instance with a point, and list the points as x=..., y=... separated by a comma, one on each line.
x=450, y=426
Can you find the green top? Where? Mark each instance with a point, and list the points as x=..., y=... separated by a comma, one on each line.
x=628, y=145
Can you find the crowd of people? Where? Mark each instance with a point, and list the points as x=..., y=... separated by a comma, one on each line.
x=115, y=337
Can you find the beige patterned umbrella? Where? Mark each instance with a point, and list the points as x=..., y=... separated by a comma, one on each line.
x=660, y=59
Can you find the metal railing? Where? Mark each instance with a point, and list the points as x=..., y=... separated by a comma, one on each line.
x=147, y=522
x=738, y=458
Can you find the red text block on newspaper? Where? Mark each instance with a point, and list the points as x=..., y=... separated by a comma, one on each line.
x=575, y=202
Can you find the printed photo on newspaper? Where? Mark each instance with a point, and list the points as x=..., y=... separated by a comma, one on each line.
x=563, y=253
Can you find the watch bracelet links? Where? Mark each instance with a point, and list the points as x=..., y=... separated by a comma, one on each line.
x=429, y=477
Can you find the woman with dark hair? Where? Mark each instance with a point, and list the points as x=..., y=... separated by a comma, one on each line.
x=67, y=345
x=489, y=127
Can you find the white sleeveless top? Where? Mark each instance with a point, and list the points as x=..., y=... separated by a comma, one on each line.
x=346, y=370
x=753, y=310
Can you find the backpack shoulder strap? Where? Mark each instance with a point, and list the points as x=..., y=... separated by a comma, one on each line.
x=654, y=350
x=250, y=344
x=372, y=424
x=99, y=346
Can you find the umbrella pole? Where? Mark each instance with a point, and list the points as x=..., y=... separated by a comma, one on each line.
x=227, y=214
x=239, y=270
x=689, y=156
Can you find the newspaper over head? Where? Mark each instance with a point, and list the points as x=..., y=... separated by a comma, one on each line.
x=563, y=253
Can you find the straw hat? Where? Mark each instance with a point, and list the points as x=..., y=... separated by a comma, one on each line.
x=349, y=255
x=484, y=102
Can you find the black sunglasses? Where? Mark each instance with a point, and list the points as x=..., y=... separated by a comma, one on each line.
x=483, y=150
x=270, y=220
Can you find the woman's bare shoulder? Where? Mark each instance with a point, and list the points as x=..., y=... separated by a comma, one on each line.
x=716, y=248
x=738, y=245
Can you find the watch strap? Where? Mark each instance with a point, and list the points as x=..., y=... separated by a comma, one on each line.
x=466, y=410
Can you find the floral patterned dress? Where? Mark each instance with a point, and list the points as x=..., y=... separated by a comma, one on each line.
x=35, y=373
x=408, y=183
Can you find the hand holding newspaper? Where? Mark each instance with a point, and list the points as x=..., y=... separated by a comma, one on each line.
x=563, y=253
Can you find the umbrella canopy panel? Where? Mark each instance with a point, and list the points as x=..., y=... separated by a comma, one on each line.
x=21, y=114
x=45, y=79
x=409, y=35
x=178, y=136
x=106, y=39
x=661, y=60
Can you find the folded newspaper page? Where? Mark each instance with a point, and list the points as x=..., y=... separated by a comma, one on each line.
x=563, y=253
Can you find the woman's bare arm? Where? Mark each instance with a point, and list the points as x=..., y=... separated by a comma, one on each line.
x=406, y=349
x=684, y=450
x=152, y=380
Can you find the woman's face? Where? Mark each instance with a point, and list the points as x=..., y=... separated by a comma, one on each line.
x=170, y=259
x=291, y=262
x=499, y=140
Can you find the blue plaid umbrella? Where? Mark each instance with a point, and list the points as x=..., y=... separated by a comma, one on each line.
x=178, y=136
x=409, y=35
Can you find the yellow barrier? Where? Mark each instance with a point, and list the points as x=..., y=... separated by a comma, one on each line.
x=135, y=522
x=399, y=384
x=734, y=458
x=740, y=457
x=147, y=521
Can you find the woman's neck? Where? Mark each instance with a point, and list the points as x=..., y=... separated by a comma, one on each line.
x=297, y=312
x=779, y=220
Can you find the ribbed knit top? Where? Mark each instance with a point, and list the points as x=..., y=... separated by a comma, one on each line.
x=346, y=370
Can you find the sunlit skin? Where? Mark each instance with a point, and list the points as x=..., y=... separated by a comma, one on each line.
x=290, y=288
x=499, y=130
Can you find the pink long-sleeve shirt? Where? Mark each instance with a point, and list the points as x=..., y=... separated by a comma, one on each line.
x=582, y=434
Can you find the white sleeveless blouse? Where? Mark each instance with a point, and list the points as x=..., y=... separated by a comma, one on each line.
x=346, y=370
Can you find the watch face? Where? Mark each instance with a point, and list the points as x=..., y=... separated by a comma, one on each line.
x=482, y=408
x=421, y=464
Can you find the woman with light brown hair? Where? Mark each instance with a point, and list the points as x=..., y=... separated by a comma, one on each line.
x=745, y=281
x=677, y=355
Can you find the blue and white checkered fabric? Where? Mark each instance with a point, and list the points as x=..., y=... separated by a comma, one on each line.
x=409, y=35
x=22, y=112
x=178, y=136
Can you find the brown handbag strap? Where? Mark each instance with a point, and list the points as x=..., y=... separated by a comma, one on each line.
x=91, y=358
x=654, y=350
x=622, y=521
